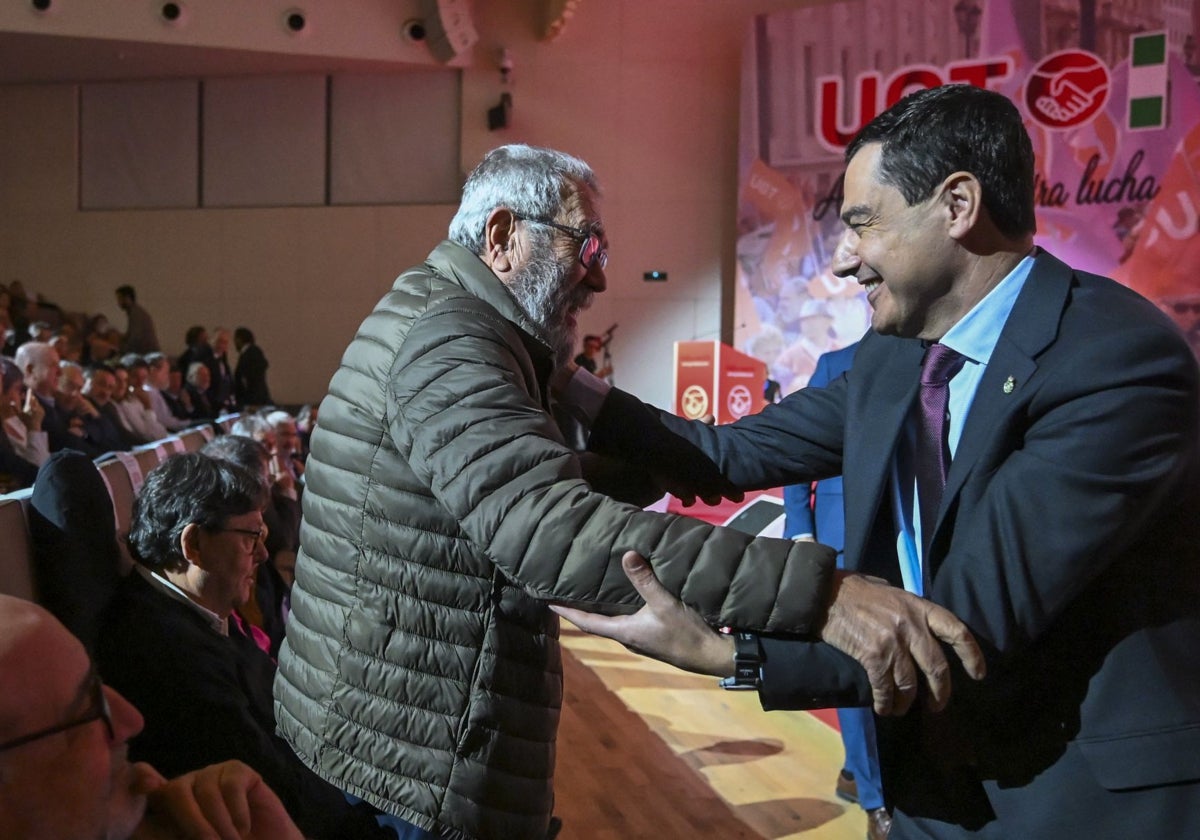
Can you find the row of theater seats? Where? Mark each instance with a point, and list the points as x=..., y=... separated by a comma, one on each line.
x=122, y=472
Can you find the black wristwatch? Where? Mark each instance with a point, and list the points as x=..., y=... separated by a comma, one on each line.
x=748, y=660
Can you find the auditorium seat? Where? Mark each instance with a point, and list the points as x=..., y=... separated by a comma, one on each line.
x=16, y=574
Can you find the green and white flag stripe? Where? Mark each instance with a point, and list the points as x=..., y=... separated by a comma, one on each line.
x=1148, y=80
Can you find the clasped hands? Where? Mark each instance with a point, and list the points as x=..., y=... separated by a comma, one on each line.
x=893, y=634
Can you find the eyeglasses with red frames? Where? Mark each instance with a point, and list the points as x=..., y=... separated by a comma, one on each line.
x=98, y=709
x=591, y=250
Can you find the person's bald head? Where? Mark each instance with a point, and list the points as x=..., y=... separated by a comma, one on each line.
x=63, y=769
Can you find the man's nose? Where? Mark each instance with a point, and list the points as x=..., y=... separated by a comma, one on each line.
x=126, y=719
x=845, y=260
x=596, y=279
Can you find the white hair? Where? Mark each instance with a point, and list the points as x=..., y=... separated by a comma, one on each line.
x=193, y=369
x=532, y=182
x=36, y=353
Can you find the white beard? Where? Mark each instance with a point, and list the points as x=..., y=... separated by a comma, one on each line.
x=541, y=290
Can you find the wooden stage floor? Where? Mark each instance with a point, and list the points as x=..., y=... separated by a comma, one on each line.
x=648, y=751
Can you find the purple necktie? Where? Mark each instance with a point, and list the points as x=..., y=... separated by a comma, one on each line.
x=933, y=448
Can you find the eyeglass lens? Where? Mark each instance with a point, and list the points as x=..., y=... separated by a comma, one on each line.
x=591, y=252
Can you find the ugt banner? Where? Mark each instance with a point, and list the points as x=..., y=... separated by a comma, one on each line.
x=1110, y=97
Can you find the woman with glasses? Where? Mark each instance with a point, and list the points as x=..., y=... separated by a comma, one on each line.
x=169, y=643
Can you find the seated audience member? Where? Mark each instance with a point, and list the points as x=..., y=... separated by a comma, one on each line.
x=21, y=415
x=66, y=345
x=197, y=348
x=38, y=363
x=273, y=584
x=220, y=392
x=75, y=408
x=40, y=331
x=157, y=382
x=18, y=316
x=64, y=774
x=8, y=336
x=198, y=380
x=133, y=402
x=286, y=458
x=100, y=342
x=250, y=376
x=176, y=394
x=167, y=642
x=306, y=421
x=104, y=429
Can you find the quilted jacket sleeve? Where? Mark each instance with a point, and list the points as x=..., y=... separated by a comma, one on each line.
x=466, y=412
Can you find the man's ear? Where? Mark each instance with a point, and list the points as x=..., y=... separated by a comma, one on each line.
x=189, y=543
x=499, y=240
x=962, y=199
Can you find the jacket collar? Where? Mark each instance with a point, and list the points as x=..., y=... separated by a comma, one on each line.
x=463, y=268
x=457, y=264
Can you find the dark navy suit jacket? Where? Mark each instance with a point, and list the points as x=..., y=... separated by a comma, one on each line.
x=1068, y=540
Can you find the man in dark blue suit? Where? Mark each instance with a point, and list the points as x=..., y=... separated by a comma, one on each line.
x=1067, y=533
x=816, y=512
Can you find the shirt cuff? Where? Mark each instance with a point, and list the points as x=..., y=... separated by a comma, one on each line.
x=585, y=393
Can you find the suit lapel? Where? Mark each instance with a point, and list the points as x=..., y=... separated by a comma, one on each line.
x=879, y=402
x=1031, y=327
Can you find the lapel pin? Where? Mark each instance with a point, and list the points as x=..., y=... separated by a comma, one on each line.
x=1009, y=384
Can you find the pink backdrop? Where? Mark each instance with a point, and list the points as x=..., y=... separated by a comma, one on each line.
x=1118, y=146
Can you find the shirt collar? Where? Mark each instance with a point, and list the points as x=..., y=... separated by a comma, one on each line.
x=976, y=334
x=218, y=624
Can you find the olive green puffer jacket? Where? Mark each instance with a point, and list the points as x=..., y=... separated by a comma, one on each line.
x=421, y=670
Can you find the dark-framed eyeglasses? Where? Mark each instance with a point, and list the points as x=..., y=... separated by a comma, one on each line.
x=260, y=536
x=591, y=250
x=97, y=709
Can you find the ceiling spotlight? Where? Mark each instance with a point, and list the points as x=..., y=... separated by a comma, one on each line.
x=172, y=13
x=414, y=30
x=295, y=21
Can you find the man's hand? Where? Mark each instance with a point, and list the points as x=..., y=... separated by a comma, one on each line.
x=227, y=801
x=33, y=414
x=664, y=629
x=892, y=633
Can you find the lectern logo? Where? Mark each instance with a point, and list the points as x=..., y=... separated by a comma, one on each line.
x=739, y=401
x=1067, y=89
x=694, y=402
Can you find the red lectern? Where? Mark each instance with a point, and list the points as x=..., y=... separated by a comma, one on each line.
x=713, y=378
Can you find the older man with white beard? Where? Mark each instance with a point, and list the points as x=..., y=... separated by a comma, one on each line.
x=421, y=670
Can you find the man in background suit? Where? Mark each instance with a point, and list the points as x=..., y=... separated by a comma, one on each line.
x=816, y=512
x=250, y=376
x=1067, y=535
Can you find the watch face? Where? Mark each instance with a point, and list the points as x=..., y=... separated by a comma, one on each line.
x=762, y=517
